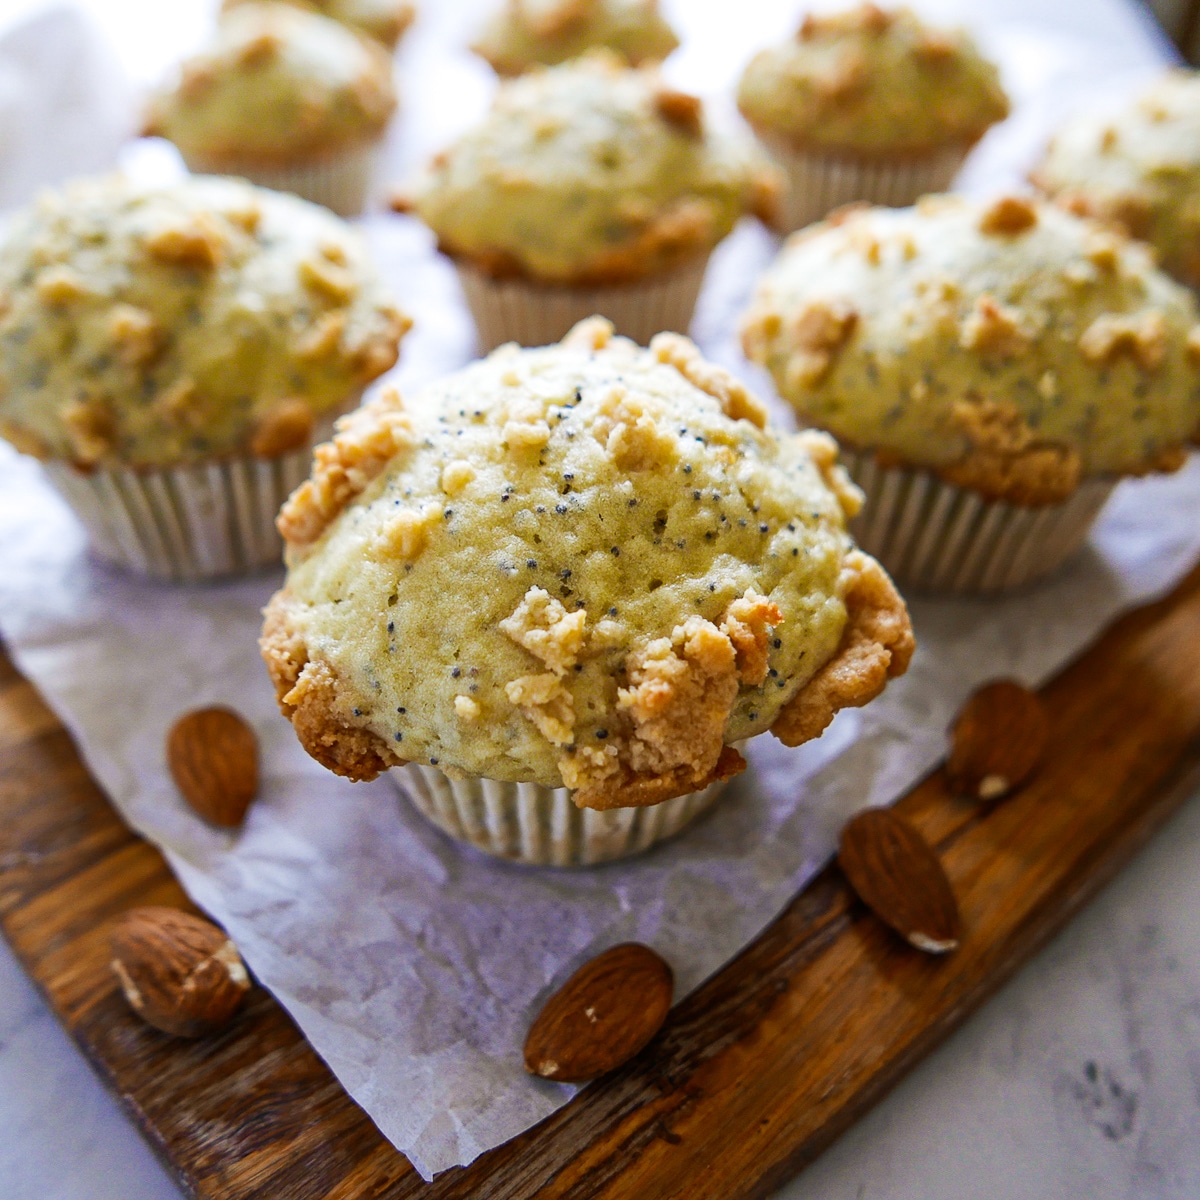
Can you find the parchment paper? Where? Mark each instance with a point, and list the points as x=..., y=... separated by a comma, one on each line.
x=413, y=965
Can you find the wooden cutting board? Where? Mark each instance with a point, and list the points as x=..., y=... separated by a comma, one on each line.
x=755, y=1072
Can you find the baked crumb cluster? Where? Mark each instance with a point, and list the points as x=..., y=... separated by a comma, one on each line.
x=872, y=81
x=314, y=85
x=590, y=173
x=522, y=34
x=1011, y=347
x=383, y=20
x=651, y=574
x=155, y=326
x=1138, y=168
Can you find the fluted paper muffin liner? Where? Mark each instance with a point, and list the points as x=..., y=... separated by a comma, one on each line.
x=934, y=536
x=189, y=523
x=541, y=826
x=819, y=183
x=341, y=181
x=531, y=314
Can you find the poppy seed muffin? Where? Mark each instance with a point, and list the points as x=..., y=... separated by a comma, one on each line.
x=154, y=326
x=285, y=97
x=870, y=81
x=1139, y=168
x=586, y=565
x=529, y=33
x=163, y=342
x=868, y=104
x=384, y=20
x=1008, y=348
x=585, y=179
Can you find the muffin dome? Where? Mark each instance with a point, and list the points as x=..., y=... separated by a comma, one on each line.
x=277, y=84
x=587, y=564
x=1139, y=167
x=384, y=20
x=872, y=82
x=1010, y=347
x=526, y=33
x=156, y=326
x=590, y=173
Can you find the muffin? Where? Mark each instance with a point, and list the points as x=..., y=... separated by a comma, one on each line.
x=582, y=573
x=384, y=20
x=172, y=354
x=869, y=105
x=1139, y=168
x=287, y=98
x=529, y=33
x=589, y=187
x=995, y=368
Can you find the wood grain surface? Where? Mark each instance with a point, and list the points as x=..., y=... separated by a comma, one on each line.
x=753, y=1074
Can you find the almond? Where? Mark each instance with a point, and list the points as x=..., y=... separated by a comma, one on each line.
x=898, y=876
x=179, y=973
x=213, y=756
x=602, y=1016
x=998, y=740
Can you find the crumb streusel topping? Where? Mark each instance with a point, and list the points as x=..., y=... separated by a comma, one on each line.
x=590, y=173
x=1009, y=346
x=384, y=20
x=873, y=81
x=277, y=85
x=527, y=33
x=588, y=564
x=151, y=326
x=1140, y=168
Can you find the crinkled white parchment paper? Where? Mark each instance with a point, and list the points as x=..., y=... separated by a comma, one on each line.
x=414, y=965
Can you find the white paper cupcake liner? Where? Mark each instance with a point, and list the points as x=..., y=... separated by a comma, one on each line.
x=541, y=826
x=933, y=536
x=341, y=182
x=819, y=183
x=515, y=310
x=191, y=523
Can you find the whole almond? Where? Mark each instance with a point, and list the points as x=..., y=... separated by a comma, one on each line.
x=213, y=756
x=602, y=1016
x=898, y=876
x=997, y=741
x=179, y=973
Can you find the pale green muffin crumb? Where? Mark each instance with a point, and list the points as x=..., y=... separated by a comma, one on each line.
x=149, y=326
x=591, y=172
x=1139, y=167
x=278, y=85
x=384, y=20
x=587, y=564
x=526, y=33
x=1010, y=346
x=873, y=82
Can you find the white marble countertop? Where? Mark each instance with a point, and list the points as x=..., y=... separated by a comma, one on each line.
x=1080, y=1079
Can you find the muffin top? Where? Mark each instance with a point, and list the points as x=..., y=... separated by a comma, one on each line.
x=277, y=84
x=1009, y=346
x=873, y=82
x=384, y=20
x=151, y=326
x=590, y=173
x=526, y=33
x=1139, y=167
x=587, y=564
